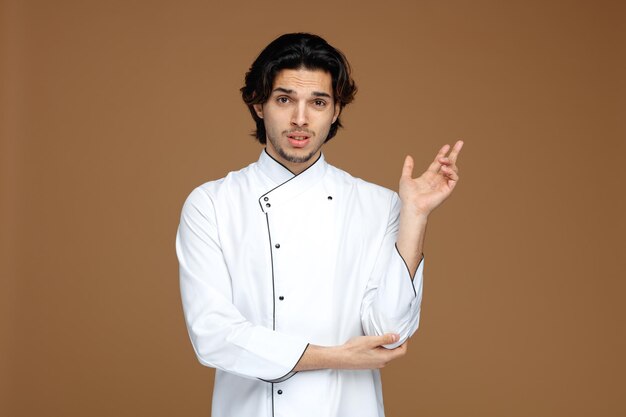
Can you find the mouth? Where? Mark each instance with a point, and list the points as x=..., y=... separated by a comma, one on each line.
x=298, y=139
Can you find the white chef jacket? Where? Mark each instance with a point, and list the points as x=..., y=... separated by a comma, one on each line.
x=270, y=262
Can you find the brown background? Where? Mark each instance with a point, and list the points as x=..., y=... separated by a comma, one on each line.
x=113, y=111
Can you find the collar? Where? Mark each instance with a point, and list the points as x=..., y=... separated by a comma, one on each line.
x=289, y=184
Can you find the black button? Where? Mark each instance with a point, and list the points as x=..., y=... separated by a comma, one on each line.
x=268, y=205
x=330, y=197
x=277, y=245
x=280, y=391
x=266, y=198
x=281, y=298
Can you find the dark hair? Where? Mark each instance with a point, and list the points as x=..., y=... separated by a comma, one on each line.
x=293, y=51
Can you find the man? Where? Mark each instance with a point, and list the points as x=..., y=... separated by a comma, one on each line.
x=299, y=281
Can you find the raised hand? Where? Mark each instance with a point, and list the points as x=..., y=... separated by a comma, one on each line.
x=423, y=194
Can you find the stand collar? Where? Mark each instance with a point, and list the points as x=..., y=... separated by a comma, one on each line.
x=288, y=185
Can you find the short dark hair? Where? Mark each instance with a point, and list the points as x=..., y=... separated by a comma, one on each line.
x=293, y=51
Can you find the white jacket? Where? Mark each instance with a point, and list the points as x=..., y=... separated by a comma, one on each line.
x=270, y=262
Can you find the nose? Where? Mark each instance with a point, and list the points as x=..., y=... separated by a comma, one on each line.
x=300, y=116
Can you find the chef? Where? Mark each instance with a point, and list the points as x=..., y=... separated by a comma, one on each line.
x=298, y=281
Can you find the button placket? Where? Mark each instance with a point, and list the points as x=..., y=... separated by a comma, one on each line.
x=275, y=257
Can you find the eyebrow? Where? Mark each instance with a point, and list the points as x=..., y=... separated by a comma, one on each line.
x=289, y=91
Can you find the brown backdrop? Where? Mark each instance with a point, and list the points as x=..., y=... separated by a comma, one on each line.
x=113, y=111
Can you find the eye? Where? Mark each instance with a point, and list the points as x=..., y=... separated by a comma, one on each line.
x=282, y=99
x=320, y=103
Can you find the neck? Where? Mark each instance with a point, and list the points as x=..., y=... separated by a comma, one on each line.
x=294, y=167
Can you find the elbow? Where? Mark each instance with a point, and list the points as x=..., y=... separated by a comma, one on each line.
x=203, y=361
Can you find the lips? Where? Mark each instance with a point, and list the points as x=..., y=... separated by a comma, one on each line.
x=298, y=136
x=298, y=140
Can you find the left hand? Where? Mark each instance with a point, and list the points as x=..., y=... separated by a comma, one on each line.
x=423, y=194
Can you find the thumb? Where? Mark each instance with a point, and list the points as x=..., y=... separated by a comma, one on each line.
x=407, y=168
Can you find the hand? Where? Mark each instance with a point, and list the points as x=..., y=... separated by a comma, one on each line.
x=425, y=193
x=367, y=352
x=361, y=352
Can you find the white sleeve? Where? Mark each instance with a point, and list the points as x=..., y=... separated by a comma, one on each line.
x=221, y=337
x=392, y=299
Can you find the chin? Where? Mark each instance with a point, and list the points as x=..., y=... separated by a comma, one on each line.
x=299, y=157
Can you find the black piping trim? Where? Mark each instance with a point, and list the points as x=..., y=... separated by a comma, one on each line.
x=407, y=268
x=269, y=235
x=277, y=161
x=295, y=175
x=292, y=372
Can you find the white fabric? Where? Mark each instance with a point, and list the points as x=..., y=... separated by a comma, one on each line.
x=337, y=269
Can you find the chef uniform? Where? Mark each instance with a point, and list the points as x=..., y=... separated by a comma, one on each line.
x=270, y=262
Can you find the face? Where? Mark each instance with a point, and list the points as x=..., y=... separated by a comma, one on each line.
x=298, y=115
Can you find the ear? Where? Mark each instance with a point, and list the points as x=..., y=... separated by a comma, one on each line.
x=258, y=108
x=337, y=111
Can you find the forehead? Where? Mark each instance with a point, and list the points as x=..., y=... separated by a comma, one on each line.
x=304, y=80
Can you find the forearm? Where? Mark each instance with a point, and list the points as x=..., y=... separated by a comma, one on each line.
x=410, y=240
x=361, y=352
x=319, y=357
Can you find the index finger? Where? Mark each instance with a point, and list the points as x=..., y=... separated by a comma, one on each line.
x=454, y=153
x=435, y=165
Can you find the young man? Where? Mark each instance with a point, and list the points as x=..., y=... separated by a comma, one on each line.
x=299, y=281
